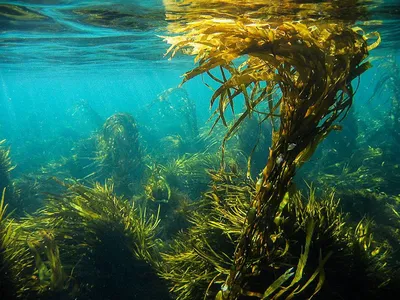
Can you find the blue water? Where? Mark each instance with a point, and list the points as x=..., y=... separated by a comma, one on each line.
x=47, y=67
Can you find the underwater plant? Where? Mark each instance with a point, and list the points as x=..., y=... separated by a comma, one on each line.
x=198, y=260
x=188, y=173
x=302, y=71
x=313, y=245
x=6, y=166
x=87, y=242
x=157, y=188
x=14, y=258
x=168, y=125
x=119, y=154
x=7, y=286
x=371, y=163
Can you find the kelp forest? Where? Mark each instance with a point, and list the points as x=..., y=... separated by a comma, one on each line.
x=286, y=192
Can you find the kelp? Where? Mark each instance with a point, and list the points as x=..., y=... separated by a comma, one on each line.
x=199, y=259
x=14, y=258
x=183, y=106
x=371, y=162
x=169, y=125
x=313, y=244
x=119, y=154
x=303, y=72
x=98, y=206
x=91, y=243
x=157, y=188
x=43, y=275
x=6, y=166
x=188, y=173
x=368, y=168
x=387, y=88
x=7, y=286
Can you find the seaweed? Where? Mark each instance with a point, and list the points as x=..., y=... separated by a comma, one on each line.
x=6, y=167
x=14, y=258
x=14, y=200
x=302, y=71
x=313, y=244
x=172, y=128
x=119, y=154
x=87, y=242
x=8, y=290
x=188, y=173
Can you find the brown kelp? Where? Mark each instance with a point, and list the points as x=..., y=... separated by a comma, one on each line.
x=171, y=128
x=188, y=173
x=6, y=166
x=8, y=289
x=15, y=259
x=372, y=163
x=91, y=243
x=171, y=204
x=181, y=106
x=303, y=72
x=157, y=188
x=318, y=245
x=199, y=259
x=119, y=154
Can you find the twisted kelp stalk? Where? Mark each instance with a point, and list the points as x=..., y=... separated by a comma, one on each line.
x=304, y=74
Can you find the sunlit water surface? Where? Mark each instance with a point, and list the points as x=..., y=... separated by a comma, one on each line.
x=54, y=54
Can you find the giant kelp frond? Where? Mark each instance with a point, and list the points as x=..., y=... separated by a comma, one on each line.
x=312, y=237
x=271, y=59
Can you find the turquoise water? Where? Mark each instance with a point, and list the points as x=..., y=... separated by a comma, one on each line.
x=69, y=67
